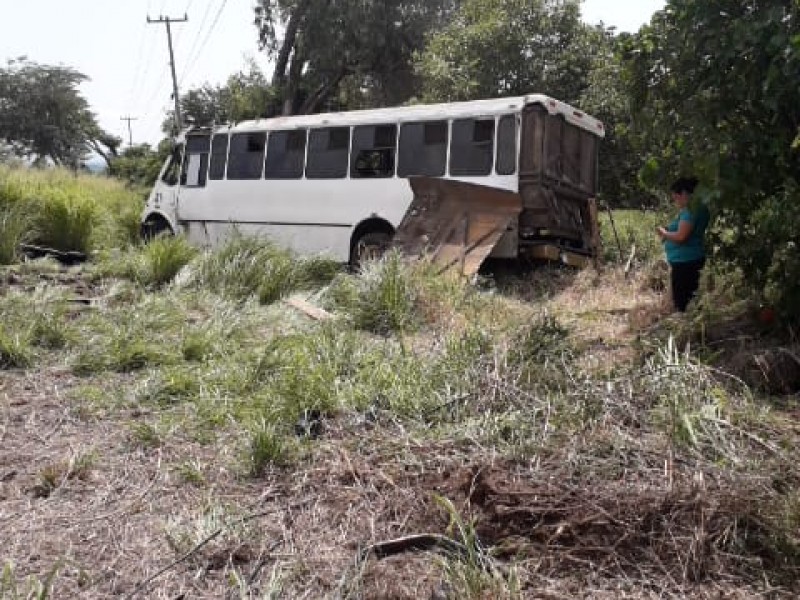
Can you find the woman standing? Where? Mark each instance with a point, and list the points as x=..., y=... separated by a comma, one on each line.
x=684, y=242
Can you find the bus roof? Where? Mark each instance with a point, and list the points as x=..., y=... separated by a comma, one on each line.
x=450, y=110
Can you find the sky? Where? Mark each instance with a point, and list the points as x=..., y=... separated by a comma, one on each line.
x=127, y=59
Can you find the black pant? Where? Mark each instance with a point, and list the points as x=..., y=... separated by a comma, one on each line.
x=685, y=279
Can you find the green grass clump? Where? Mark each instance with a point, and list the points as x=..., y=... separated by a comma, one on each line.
x=250, y=267
x=130, y=337
x=154, y=264
x=268, y=447
x=15, y=350
x=15, y=229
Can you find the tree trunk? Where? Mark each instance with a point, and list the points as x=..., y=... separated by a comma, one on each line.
x=322, y=93
x=289, y=40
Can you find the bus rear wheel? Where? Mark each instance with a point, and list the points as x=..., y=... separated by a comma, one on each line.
x=370, y=246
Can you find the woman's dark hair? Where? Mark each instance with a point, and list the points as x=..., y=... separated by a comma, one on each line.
x=684, y=184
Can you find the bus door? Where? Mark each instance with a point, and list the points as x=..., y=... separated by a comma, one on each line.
x=193, y=178
x=164, y=197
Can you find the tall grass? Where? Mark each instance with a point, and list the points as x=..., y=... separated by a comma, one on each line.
x=634, y=228
x=246, y=267
x=68, y=211
x=15, y=229
x=151, y=265
x=392, y=295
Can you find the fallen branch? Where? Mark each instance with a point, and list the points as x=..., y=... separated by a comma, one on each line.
x=422, y=541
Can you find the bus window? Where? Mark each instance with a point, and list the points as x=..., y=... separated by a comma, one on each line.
x=219, y=154
x=423, y=149
x=246, y=157
x=472, y=147
x=286, y=154
x=171, y=173
x=507, y=145
x=195, y=165
x=328, y=150
x=373, y=151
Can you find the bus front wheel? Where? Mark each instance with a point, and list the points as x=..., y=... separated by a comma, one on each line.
x=155, y=227
x=369, y=246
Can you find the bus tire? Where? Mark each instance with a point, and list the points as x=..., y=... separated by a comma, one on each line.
x=370, y=246
x=155, y=226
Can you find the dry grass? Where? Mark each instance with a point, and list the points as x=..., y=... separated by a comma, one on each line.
x=578, y=468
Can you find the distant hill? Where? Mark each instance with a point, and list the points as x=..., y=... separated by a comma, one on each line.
x=95, y=164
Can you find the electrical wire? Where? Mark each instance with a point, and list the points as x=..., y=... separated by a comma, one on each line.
x=208, y=35
x=194, y=43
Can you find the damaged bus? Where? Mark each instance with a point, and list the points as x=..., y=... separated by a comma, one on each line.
x=506, y=177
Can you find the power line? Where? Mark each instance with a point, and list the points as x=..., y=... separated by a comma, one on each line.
x=189, y=56
x=208, y=35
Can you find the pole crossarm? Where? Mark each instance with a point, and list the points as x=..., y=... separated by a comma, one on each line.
x=167, y=21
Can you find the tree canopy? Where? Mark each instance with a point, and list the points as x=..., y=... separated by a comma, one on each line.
x=321, y=47
x=43, y=116
x=496, y=48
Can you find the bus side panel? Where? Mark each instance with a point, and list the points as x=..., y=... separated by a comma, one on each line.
x=307, y=216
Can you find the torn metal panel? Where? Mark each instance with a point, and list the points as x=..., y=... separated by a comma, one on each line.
x=455, y=223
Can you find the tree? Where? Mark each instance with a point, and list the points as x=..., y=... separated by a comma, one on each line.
x=509, y=47
x=139, y=165
x=321, y=47
x=714, y=90
x=43, y=116
x=246, y=95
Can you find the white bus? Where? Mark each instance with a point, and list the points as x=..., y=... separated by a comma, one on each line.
x=336, y=184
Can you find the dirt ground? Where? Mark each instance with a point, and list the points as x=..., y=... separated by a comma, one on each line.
x=111, y=518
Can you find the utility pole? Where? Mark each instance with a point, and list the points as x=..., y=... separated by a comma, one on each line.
x=130, y=131
x=167, y=21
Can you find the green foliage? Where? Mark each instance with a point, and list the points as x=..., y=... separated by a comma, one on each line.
x=246, y=267
x=496, y=48
x=66, y=211
x=708, y=83
x=364, y=60
x=633, y=228
x=44, y=116
x=33, y=588
x=15, y=229
x=268, y=447
x=139, y=165
x=245, y=95
x=156, y=263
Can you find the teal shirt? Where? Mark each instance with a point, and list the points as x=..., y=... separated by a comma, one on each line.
x=693, y=248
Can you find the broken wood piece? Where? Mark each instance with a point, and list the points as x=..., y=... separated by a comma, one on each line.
x=304, y=306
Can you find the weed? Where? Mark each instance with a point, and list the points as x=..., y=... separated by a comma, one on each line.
x=158, y=262
x=268, y=447
x=472, y=573
x=144, y=435
x=385, y=298
x=15, y=350
x=65, y=221
x=33, y=588
x=54, y=475
x=191, y=472
x=170, y=386
x=15, y=229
